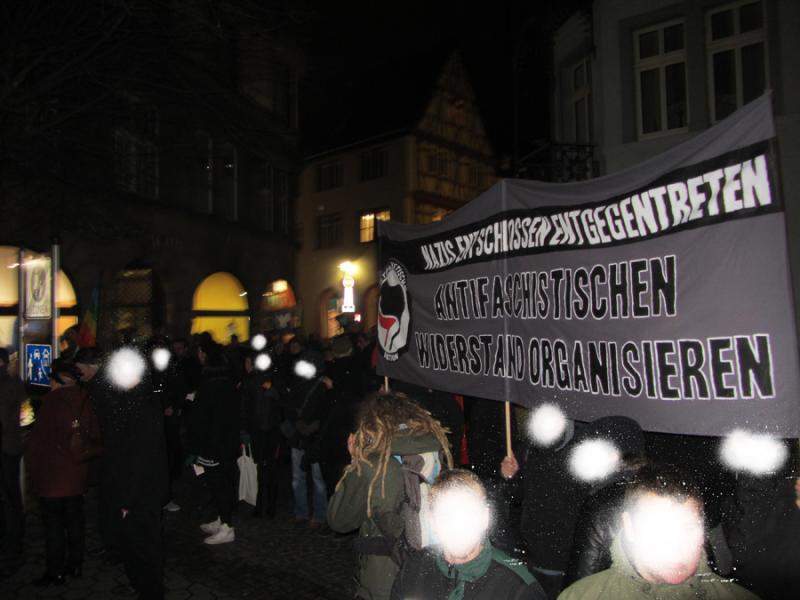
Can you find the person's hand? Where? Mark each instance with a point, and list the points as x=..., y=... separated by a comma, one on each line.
x=124, y=512
x=327, y=382
x=351, y=443
x=509, y=467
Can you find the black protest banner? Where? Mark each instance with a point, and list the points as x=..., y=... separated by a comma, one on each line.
x=661, y=292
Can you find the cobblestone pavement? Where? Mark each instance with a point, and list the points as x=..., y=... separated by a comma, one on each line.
x=270, y=559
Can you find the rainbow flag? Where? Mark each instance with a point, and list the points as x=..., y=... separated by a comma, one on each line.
x=87, y=334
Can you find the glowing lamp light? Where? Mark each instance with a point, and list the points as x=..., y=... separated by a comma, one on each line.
x=280, y=286
x=348, y=268
x=161, y=358
x=263, y=362
x=259, y=342
x=594, y=460
x=126, y=368
x=753, y=453
x=547, y=425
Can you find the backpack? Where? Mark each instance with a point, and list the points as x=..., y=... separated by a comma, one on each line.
x=419, y=472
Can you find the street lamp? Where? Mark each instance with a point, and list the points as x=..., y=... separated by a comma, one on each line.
x=348, y=283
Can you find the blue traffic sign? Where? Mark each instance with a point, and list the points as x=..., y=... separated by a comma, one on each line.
x=37, y=363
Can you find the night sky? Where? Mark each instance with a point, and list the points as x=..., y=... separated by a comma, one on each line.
x=350, y=38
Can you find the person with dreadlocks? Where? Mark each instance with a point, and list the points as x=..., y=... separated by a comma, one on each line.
x=396, y=453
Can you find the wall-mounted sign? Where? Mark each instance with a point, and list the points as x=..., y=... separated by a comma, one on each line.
x=38, y=358
x=37, y=274
x=348, y=303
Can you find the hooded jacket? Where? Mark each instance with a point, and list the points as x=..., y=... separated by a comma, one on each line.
x=622, y=582
x=347, y=511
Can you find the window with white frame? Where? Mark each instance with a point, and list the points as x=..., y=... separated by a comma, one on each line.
x=581, y=85
x=366, y=223
x=737, y=56
x=660, y=71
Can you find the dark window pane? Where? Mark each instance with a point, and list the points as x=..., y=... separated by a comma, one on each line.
x=651, y=101
x=753, y=80
x=673, y=38
x=724, y=84
x=721, y=24
x=648, y=44
x=580, y=121
x=578, y=77
x=750, y=17
x=675, y=83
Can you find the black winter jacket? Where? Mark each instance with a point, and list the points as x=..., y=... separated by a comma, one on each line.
x=505, y=579
x=596, y=528
x=214, y=420
x=135, y=461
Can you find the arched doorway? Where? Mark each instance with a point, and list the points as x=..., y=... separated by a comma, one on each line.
x=370, y=307
x=278, y=303
x=220, y=307
x=137, y=304
x=329, y=308
x=9, y=299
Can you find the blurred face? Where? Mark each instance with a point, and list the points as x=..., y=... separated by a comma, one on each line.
x=664, y=538
x=460, y=522
x=179, y=348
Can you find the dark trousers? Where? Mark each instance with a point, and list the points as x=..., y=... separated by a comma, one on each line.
x=172, y=433
x=64, y=532
x=11, y=498
x=107, y=514
x=142, y=550
x=266, y=446
x=221, y=481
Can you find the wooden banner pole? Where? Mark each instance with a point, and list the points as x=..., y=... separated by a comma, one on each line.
x=386, y=382
x=508, y=428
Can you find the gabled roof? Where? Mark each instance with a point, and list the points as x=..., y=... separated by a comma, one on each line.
x=385, y=102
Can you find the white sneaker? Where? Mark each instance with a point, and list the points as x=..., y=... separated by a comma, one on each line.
x=171, y=506
x=224, y=535
x=212, y=527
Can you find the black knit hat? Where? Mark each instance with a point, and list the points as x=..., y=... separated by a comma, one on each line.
x=623, y=432
x=88, y=356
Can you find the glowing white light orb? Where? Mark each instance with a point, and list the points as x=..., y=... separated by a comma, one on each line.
x=666, y=536
x=547, y=425
x=460, y=520
x=754, y=453
x=161, y=358
x=263, y=362
x=259, y=342
x=126, y=368
x=305, y=369
x=594, y=460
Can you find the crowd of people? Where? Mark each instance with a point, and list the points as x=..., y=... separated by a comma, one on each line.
x=440, y=508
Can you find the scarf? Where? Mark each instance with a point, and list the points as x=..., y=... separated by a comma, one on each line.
x=466, y=573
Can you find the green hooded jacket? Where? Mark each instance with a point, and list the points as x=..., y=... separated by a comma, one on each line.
x=347, y=510
x=622, y=582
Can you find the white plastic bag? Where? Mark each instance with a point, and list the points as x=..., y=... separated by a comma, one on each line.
x=248, y=476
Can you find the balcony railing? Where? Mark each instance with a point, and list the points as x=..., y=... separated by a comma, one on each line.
x=558, y=163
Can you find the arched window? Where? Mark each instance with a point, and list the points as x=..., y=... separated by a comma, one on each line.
x=138, y=303
x=220, y=307
x=329, y=308
x=370, y=307
x=277, y=305
x=9, y=298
